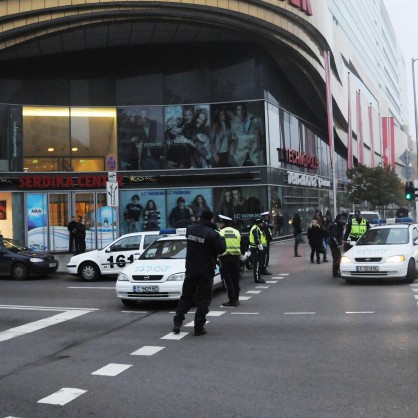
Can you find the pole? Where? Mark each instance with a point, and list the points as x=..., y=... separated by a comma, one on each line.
x=415, y=104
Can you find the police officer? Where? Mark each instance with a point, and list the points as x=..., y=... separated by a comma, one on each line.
x=336, y=231
x=355, y=228
x=230, y=260
x=204, y=244
x=258, y=243
x=269, y=237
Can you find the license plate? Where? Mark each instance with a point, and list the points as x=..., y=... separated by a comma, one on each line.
x=146, y=289
x=52, y=264
x=367, y=268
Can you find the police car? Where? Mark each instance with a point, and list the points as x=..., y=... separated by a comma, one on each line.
x=110, y=261
x=389, y=250
x=158, y=274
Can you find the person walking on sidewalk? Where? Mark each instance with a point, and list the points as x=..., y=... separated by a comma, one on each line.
x=230, y=260
x=315, y=240
x=258, y=242
x=204, y=244
x=297, y=231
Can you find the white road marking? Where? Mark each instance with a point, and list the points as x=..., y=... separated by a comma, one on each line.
x=415, y=290
x=262, y=287
x=173, y=336
x=256, y=292
x=416, y=296
x=300, y=313
x=272, y=281
x=191, y=324
x=283, y=274
x=45, y=308
x=275, y=278
x=42, y=323
x=112, y=369
x=63, y=396
x=141, y=312
x=92, y=287
x=244, y=313
x=215, y=313
x=360, y=312
x=147, y=350
x=245, y=297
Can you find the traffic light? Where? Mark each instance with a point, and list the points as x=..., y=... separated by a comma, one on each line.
x=409, y=191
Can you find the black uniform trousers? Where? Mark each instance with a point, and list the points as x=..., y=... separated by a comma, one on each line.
x=200, y=287
x=336, y=257
x=266, y=256
x=71, y=243
x=258, y=262
x=230, y=272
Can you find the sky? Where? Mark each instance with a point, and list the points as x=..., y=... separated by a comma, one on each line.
x=404, y=17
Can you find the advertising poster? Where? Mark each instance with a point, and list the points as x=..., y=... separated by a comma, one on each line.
x=242, y=204
x=238, y=134
x=187, y=136
x=141, y=138
x=185, y=206
x=3, y=210
x=142, y=210
x=36, y=205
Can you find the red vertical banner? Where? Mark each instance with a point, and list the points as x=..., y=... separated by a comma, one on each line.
x=359, y=129
x=350, y=130
x=329, y=108
x=371, y=137
x=388, y=137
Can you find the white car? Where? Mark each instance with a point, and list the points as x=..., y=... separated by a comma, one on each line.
x=110, y=260
x=158, y=274
x=386, y=251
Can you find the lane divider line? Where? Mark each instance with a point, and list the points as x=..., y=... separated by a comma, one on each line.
x=147, y=350
x=112, y=369
x=172, y=336
x=63, y=396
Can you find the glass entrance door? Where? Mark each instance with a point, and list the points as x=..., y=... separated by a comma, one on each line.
x=83, y=204
x=58, y=221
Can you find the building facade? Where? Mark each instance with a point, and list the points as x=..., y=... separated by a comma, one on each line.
x=218, y=104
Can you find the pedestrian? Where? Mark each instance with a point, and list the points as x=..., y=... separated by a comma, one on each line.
x=326, y=221
x=266, y=229
x=355, y=228
x=80, y=236
x=204, y=244
x=297, y=231
x=230, y=260
x=315, y=240
x=258, y=243
x=72, y=228
x=336, y=231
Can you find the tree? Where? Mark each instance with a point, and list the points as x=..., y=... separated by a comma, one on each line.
x=380, y=186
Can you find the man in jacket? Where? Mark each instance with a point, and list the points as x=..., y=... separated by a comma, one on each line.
x=258, y=243
x=355, y=228
x=230, y=260
x=72, y=227
x=204, y=244
x=336, y=231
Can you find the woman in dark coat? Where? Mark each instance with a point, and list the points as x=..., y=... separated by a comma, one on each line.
x=315, y=240
x=297, y=231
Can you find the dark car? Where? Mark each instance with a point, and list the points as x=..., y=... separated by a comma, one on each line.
x=20, y=262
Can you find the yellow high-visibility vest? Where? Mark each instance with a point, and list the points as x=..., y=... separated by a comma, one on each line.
x=232, y=240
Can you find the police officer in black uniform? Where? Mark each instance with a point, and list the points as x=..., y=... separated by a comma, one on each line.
x=204, y=244
x=230, y=260
x=269, y=237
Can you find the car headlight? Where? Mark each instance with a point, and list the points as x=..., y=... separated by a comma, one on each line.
x=177, y=277
x=36, y=260
x=122, y=277
x=345, y=259
x=395, y=259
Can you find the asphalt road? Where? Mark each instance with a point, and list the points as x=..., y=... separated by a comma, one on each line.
x=303, y=345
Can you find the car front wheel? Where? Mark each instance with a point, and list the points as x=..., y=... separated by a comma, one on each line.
x=19, y=271
x=89, y=272
x=411, y=273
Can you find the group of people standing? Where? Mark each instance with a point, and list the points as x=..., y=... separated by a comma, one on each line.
x=205, y=248
x=77, y=235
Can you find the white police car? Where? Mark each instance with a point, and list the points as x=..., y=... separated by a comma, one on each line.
x=158, y=274
x=386, y=251
x=110, y=260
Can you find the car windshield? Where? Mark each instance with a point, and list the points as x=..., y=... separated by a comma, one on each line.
x=13, y=245
x=159, y=250
x=384, y=236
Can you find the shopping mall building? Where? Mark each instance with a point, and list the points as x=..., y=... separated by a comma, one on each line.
x=217, y=103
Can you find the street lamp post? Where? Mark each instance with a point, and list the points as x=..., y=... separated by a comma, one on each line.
x=415, y=104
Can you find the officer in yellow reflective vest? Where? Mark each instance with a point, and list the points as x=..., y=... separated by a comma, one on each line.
x=355, y=228
x=230, y=260
x=258, y=243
